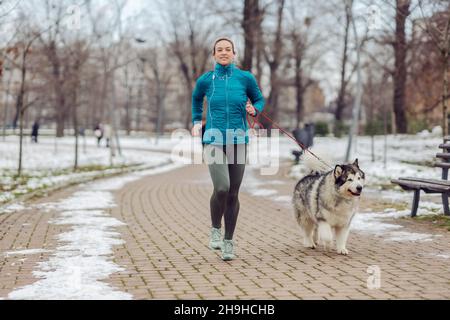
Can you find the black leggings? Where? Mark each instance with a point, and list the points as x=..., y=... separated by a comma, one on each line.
x=226, y=167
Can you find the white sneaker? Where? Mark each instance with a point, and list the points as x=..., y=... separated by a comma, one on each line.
x=215, y=241
x=227, y=250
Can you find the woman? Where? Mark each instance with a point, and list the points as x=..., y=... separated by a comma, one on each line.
x=227, y=90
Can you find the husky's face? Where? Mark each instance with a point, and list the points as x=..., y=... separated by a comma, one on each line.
x=349, y=179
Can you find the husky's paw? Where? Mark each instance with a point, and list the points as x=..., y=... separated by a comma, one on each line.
x=342, y=251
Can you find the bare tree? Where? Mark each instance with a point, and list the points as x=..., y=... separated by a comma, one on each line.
x=190, y=33
x=10, y=53
x=51, y=42
x=438, y=29
x=21, y=106
x=341, y=99
x=303, y=52
x=127, y=85
x=160, y=77
x=110, y=57
x=7, y=7
x=400, y=73
x=273, y=55
x=251, y=25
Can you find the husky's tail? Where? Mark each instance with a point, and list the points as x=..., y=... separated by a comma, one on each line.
x=315, y=165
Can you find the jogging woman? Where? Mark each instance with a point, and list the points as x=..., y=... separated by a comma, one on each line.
x=230, y=93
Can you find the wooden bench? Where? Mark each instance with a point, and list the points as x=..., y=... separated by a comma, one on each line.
x=441, y=186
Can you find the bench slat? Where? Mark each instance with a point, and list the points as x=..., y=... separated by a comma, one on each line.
x=444, y=146
x=433, y=181
x=443, y=155
x=444, y=165
x=446, y=138
x=414, y=185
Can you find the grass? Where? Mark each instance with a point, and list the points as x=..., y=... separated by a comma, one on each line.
x=436, y=220
x=17, y=186
x=425, y=163
x=385, y=186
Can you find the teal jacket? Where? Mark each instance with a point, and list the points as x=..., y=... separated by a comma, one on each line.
x=227, y=90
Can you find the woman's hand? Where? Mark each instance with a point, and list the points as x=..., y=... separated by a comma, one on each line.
x=250, y=109
x=196, y=130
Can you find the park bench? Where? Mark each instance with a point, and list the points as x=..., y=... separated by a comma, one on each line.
x=441, y=186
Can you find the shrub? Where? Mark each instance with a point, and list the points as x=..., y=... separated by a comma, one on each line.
x=374, y=127
x=417, y=125
x=341, y=129
x=321, y=129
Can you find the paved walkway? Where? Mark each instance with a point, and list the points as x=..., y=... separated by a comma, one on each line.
x=165, y=253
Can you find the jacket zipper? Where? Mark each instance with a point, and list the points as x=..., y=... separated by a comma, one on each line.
x=228, y=110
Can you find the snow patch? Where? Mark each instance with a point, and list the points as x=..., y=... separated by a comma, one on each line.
x=263, y=192
x=25, y=252
x=374, y=223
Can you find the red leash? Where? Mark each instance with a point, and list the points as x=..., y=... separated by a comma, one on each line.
x=256, y=122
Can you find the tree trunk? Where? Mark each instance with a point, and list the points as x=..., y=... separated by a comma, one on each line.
x=75, y=127
x=127, y=111
x=274, y=64
x=259, y=50
x=20, y=108
x=299, y=88
x=251, y=8
x=140, y=100
x=187, y=120
x=300, y=92
x=6, y=106
x=340, y=103
x=445, y=95
x=60, y=113
x=21, y=115
x=114, y=121
x=160, y=96
x=359, y=91
x=60, y=104
x=400, y=74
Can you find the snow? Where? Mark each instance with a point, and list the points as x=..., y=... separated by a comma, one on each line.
x=375, y=223
x=45, y=166
x=283, y=199
x=13, y=207
x=406, y=156
x=44, y=156
x=24, y=252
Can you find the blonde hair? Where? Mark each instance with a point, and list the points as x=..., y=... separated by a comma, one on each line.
x=223, y=39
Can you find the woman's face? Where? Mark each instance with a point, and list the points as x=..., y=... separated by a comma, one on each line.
x=224, y=52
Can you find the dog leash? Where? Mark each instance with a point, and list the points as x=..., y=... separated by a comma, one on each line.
x=304, y=148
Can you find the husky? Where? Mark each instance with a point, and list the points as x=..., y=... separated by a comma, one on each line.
x=325, y=202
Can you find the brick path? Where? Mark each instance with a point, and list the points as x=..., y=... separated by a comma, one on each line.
x=165, y=253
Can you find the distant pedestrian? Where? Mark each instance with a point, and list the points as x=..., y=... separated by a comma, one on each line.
x=35, y=132
x=98, y=132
